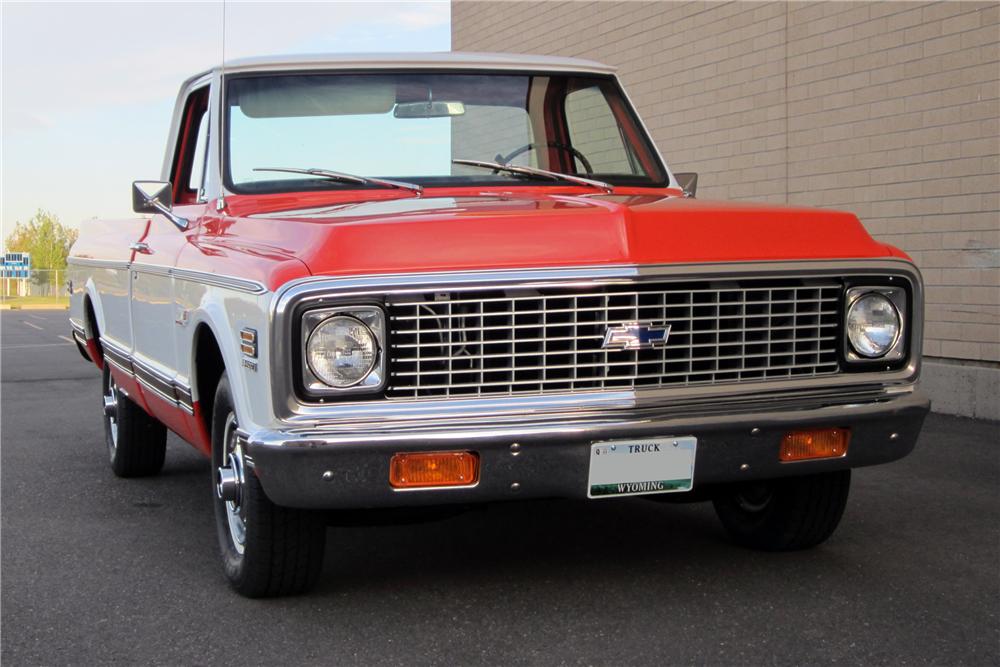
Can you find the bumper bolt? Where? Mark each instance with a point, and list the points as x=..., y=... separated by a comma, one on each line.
x=894, y=436
x=515, y=487
x=755, y=431
x=515, y=449
x=328, y=476
x=744, y=467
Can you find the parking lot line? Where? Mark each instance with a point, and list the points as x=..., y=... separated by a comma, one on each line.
x=67, y=339
x=27, y=345
x=32, y=325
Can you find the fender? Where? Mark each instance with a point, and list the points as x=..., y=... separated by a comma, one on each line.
x=216, y=316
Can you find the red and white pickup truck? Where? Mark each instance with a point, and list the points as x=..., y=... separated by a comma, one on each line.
x=430, y=279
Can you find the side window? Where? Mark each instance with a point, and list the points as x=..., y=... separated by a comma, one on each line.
x=191, y=148
x=594, y=131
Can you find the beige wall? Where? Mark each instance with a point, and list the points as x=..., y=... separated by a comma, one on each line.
x=886, y=109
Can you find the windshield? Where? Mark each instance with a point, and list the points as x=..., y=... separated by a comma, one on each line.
x=411, y=126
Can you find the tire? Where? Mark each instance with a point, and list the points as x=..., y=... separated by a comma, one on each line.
x=784, y=514
x=267, y=550
x=136, y=442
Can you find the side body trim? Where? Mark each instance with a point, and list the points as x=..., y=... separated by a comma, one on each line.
x=201, y=277
x=169, y=389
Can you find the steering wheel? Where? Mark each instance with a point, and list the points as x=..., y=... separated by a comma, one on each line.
x=505, y=159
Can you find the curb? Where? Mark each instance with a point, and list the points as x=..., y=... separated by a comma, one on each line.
x=33, y=307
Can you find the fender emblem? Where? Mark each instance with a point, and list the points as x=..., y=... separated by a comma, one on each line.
x=635, y=336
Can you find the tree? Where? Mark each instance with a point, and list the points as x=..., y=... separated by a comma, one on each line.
x=45, y=238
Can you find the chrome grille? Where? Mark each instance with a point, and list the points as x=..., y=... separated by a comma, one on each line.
x=532, y=341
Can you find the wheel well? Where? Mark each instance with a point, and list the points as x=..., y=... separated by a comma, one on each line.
x=208, y=369
x=90, y=329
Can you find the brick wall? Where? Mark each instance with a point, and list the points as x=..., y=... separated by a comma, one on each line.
x=887, y=109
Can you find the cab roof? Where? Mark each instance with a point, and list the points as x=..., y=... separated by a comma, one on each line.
x=424, y=60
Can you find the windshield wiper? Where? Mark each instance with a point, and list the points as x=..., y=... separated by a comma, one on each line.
x=348, y=178
x=542, y=173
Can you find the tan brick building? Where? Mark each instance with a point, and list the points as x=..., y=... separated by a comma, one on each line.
x=887, y=109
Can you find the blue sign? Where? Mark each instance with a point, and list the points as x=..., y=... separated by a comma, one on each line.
x=16, y=265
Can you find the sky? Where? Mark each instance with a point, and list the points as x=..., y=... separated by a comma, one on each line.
x=88, y=88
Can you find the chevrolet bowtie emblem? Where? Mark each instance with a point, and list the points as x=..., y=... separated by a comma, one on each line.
x=635, y=336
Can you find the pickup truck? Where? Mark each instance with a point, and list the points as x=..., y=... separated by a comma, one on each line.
x=389, y=281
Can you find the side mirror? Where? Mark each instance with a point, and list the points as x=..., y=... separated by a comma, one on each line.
x=688, y=182
x=156, y=197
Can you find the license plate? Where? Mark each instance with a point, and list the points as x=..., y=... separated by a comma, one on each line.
x=639, y=467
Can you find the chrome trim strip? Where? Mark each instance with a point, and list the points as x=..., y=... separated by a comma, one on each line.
x=119, y=366
x=77, y=328
x=151, y=269
x=184, y=398
x=202, y=277
x=217, y=280
x=98, y=263
x=151, y=379
x=169, y=389
x=326, y=290
x=157, y=391
x=117, y=356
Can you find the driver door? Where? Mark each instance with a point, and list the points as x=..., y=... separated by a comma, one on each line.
x=155, y=313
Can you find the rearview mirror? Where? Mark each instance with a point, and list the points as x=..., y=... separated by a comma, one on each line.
x=428, y=109
x=156, y=197
x=688, y=182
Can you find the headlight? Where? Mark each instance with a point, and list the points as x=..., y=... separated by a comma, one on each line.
x=874, y=322
x=342, y=349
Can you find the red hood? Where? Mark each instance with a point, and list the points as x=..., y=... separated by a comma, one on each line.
x=542, y=229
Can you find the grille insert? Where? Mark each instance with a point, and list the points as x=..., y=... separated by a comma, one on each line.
x=535, y=341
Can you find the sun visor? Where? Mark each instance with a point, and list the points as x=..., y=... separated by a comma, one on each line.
x=294, y=96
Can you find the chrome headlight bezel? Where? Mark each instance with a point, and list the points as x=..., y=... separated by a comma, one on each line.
x=897, y=297
x=371, y=317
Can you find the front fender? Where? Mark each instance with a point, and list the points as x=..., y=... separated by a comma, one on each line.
x=222, y=314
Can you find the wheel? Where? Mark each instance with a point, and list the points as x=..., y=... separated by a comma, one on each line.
x=267, y=550
x=784, y=514
x=137, y=442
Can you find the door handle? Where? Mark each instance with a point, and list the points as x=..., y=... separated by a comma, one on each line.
x=139, y=246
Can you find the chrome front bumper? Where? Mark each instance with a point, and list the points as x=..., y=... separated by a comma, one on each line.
x=349, y=468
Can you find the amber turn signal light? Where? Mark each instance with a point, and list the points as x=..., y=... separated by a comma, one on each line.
x=825, y=443
x=425, y=469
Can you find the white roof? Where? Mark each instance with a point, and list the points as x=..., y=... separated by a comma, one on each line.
x=444, y=60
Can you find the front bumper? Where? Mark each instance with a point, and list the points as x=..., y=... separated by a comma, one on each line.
x=349, y=468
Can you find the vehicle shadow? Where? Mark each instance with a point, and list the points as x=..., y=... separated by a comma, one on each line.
x=615, y=543
x=528, y=541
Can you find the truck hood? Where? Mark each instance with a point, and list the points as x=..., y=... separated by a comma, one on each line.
x=542, y=230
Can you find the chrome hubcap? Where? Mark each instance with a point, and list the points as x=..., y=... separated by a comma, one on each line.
x=111, y=413
x=229, y=485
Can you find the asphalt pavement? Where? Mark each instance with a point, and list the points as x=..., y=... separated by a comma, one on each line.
x=100, y=570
